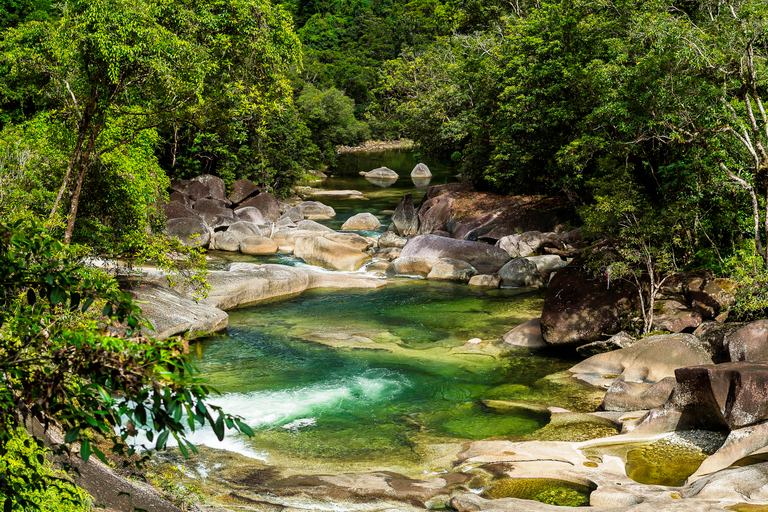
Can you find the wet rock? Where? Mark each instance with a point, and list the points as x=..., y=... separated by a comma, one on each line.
x=411, y=265
x=637, y=396
x=266, y=203
x=521, y=272
x=421, y=171
x=317, y=193
x=485, y=258
x=378, y=266
x=361, y=222
x=580, y=307
x=242, y=190
x=391, y=239
x=485, y=281
x=352, y=240
x=452, y=270
x=329, y=254
x=192, y=232
x=648, y=361
x=405, y=218
x=527, y=334
x=615, y=342
x=258, y=246
x=172, y=314
x=749, y=342
x=225, y=241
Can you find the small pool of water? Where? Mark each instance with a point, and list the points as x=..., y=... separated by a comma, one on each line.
x=374, y=375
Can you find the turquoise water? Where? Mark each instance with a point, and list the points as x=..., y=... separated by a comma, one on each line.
x=373, y=375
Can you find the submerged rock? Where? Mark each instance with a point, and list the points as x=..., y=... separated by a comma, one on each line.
x=329, y=254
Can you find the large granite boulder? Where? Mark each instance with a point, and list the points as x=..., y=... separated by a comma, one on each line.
x=242, y=190
x=225, y=241
x=390, y=239
x=365, y=221
x=177, y=210
x=245, y=228
x=547, y=263
x=713, y=336
x=405, y=218
x=214, y=184
x=748, y=342
x=329, y=254
x=196, y=190
x=436, y=213
x=580, y=307
x=266, y=203
x=258, y=246
x=251, y=214
x=451, y=270
x=520, y=272
x=485, y=281
x=527, y=334
x=382, y=172
x=484, y=257
x=421, y=171
x=411, y=266
x=192, y=232
x=311, y=225
x=314, y=210
x=353, y=240
x=725, y=396
x=212, y=207
x=616, y=342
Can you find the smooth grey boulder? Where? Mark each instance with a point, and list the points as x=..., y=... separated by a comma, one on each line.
x=196, y=190
x=242, y=190
x=547, y=263
x=405, y=218
x=487, y=259
x=214, y=184
x=310, y=225
x=349, y=239
x=218, y=222
x=527, y=334
x=179, y=197
x=521, y=272
x=212, y=207
x=225, y=241
x=411, y=265
x=329, y=254
x=251, y=214
x=176, y=210
x=382, y=172
x=365, y=221
x=749, y=342
x=452, y=270
x=485, y=281
x=192, y=232
x=258, y=246
x=390, y=239
x=315, y=210
x=245, y=228
x=266, y=203
x=421, y=171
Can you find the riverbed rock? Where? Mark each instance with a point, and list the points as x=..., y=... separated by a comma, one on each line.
x=172, y=314
x=242, y=190
x=247, y=283
x=405, y=218
x=421, y=171
x=435, y=213
x=674, y=316
x=485, y=281
x=258, y=246
x=748, y=483
x=196, y=190
x=618, y=341
x=749, y=342
x=391, y=239
x=382, y=172
x=547, y=264
x=251, y=214
x=637, y=396
x=411, y=265
x=389, y=254
x=192, y=232
x=365, y=221
x=314, y=210
x=525, y=244
x=225, y=241
x=484, y=257
x=352, y=240
x=266, y=203
x=329, y=254
x=245, y=228
x=521, y=272
x=647, y=362
x=713, y=335
x=214, y=184
x=176, y=210
x=527, y=334
x=451, y=270
x=212, y=207
x=580, y=307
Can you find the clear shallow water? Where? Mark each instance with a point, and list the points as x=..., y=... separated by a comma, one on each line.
x=390, y=383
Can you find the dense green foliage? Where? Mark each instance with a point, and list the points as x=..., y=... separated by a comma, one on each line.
x=60, y=365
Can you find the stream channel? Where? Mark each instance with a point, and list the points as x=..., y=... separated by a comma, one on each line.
x=406, y=403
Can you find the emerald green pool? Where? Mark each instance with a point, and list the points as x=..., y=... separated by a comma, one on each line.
x=373, y=375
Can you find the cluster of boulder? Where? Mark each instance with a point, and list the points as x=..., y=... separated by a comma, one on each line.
x=384, y=176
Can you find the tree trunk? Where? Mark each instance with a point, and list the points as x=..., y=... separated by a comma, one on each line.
x=82, y=166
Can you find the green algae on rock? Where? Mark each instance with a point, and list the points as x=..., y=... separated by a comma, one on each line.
x=544, y=490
